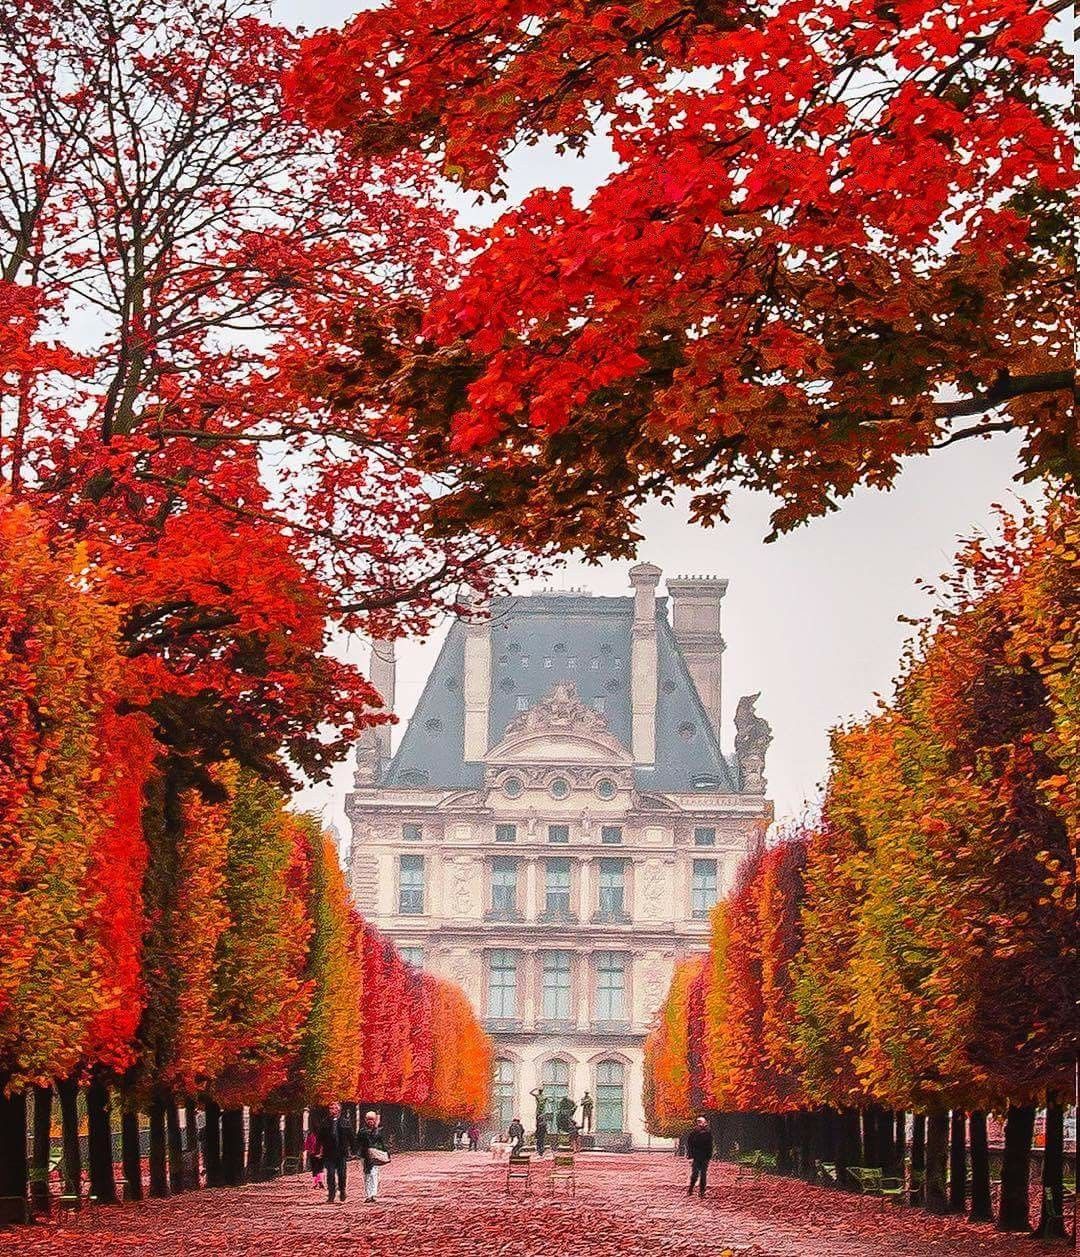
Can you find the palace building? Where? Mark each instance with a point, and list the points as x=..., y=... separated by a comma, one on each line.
x=556, y=824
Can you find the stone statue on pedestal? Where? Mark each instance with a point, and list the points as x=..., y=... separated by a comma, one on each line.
x=752, y=738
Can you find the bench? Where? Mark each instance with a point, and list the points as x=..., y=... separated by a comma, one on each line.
x=825, y=1172
x=873, y=1182
x=755, y=1163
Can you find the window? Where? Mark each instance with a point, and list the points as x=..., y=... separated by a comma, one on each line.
x=411, y=884
x=412, y=956
x=704, y=836
x=513, y=787
x=612, y=900
x=598, y=706
x=594, y=664
x=610, y=1088
x=703, y=887
x=560, y=788
x=412, y=833
x=504, y=884
x=605, y=787
x=522, y=703
x=502, y=984
x=555, y=1077
x=556, y=1001
x=571, y=664
x=611, y=835
x=610, y=985
x=547, y=662
x=558, y=833
x=557, y=887
x=502, y=1094
x=505, y=833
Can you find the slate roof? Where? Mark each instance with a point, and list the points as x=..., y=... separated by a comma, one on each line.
x=537, y=641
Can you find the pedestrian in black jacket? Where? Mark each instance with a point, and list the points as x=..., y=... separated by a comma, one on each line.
x=699, y=1149
x=335, y=1137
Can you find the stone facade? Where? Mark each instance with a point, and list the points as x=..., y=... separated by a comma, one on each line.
x=555, y=826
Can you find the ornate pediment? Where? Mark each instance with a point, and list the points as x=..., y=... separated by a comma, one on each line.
x=560, y=728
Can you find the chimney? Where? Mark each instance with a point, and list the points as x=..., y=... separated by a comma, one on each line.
x=476, y=687
x=373, y=749
x=643, y=668
x=695, y=614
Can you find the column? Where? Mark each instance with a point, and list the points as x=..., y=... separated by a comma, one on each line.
x=531, y=904
x=582, y=988
x=530, y=987
x=476, y=689
x=586, y=889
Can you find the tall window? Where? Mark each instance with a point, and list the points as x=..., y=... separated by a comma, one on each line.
x=703, y=887
x=504, y=884
x=611, y=835
x=413, y=956
x=612, y=898
x=610, y=1088
x=556, y=1004
x=411, y=884
x=502, y=1094
x=412, y=833
x=505, y=833
x=555, y=1077
x=557, y=886
x=610, y=986
x=558, y=833
x=502, y=984
x=704, y=836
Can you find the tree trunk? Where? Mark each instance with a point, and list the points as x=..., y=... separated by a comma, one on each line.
x=869, y=1137
x=255, y=1147
x=784, y=1159
x=14, y=1170
x=176, y=1148
x=937, y=1154
x=68, y=1094
x=39, y=1188
x=918, y=1158
x=982, y=1209
x=899, y=1145
x=131, y=1152
x=212, y=1145
x=294, y=1135
x=1052, y=1219
x=159, y=1183
x=232, y=1147
x=272, y=1144
x=100, y=1141
x=958, y=1161
x=848, y=1149
x=191, y=1142
x=1014, y=1211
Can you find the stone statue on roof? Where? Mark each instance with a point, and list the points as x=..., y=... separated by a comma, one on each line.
x=561, y=709
x=752, y=738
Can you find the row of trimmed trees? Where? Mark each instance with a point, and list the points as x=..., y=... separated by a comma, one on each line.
x=910, y=963
x=171, y=934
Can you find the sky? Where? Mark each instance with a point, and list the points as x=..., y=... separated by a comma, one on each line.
x=812, y=620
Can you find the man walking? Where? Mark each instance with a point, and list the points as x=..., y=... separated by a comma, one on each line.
x=373, y=1152
x=586, y=1112
x=699, y=1148
x=335, y=1142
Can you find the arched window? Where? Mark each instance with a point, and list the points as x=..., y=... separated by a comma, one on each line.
x=609, y=1096
x=502, y=1093
x=556, y=1080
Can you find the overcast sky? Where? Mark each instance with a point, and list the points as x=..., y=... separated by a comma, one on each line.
x=810, y=620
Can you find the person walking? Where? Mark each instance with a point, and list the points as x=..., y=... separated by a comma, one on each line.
x=372, y=1149
x=516, y=1134
x=474, y=1137
x=335, y=1137
x=541, y=1134
x=314, y=1156
x=699, y=1148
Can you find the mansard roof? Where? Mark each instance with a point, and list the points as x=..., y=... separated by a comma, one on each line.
x=538, y=641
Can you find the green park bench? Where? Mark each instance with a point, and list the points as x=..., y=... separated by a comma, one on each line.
x=825, y=1172
x=872, y=1182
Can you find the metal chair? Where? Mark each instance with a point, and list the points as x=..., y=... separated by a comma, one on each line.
x=563, y=1173
x=517, y=1171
